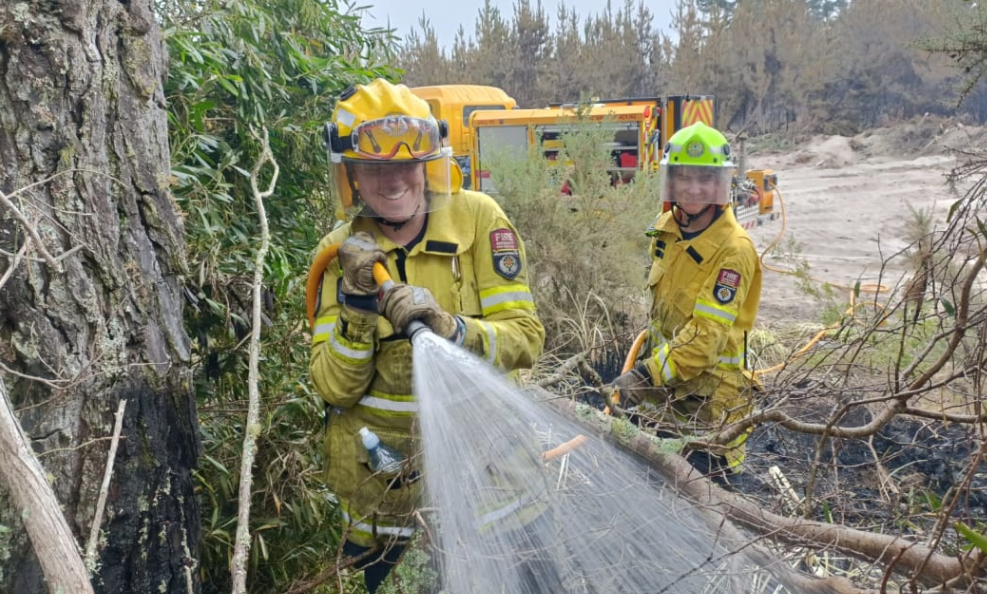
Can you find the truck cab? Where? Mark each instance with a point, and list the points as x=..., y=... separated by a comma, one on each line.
x=456, y=104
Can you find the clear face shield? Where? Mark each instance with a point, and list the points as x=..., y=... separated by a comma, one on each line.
x=394, y=168
x=695, y=185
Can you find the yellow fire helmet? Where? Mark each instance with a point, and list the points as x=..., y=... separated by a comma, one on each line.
x=378, y=133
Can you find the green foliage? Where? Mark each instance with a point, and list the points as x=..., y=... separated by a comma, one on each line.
x=416, y=573
x=974, y=537
x=236, y=67
x=587, y=251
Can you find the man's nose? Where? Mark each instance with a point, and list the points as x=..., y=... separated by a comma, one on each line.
x=390, y=174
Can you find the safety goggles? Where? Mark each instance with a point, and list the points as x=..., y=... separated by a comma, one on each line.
x=383, y=138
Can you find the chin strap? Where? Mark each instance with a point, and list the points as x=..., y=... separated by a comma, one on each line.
x=396, y=225
x=689, y=219
x=392, y=224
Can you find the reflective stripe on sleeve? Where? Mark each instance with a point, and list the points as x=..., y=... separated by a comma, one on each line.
x=663, y=360
x=354, y=353
x=489, y=342
x=507, y=297
x=389, y=405
x=323, y=329
x=728, y=361
x=715, y=312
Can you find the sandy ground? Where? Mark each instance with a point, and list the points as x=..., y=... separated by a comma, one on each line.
x=848, y=210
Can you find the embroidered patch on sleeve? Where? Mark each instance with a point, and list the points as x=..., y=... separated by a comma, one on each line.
x=506, y=254
x=726, y=285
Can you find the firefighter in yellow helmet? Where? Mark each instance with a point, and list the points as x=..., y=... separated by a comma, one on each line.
x=705, y=282
x=460, y=268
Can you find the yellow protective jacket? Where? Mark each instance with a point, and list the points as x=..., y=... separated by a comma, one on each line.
x=705, y=295
x=472, y=261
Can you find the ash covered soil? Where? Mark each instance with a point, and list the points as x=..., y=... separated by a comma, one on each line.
x=848, y=205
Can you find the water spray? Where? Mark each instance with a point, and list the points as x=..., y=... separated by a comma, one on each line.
x=521, y=501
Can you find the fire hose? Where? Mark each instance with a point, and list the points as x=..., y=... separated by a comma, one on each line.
x=313, y=285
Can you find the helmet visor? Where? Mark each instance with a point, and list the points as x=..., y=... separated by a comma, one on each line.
x=383, y=138
x=695, y=184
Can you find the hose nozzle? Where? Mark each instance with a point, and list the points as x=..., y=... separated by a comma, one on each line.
x=384, y=281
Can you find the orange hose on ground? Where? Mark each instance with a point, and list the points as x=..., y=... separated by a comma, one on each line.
x=866, y=287
x=863, y=288
x=628, y=364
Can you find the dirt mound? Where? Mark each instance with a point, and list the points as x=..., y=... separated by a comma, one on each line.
x=921, y=136
x=827, y=152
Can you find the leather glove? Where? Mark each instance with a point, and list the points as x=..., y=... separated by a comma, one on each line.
x=357, y=256
x=404, y=303
x=632, y=387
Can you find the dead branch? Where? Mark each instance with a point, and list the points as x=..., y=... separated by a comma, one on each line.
x=31, y=231
x=15, y=262
x=562, y=370
x=50, y=534
x=104, y=488
x=898, y=554
x=21, y=473
x=242, y=544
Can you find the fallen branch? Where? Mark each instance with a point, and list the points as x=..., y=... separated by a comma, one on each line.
x=25, y=479
x=919, y=562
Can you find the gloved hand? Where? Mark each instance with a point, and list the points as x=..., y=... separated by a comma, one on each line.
x=632, y=386
x=404, y=303
x=357, y=256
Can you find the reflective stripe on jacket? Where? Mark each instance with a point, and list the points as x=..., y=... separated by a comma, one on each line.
x=363, y=369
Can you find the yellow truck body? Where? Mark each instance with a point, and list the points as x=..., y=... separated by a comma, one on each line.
x=455, y=104
x=634, y=136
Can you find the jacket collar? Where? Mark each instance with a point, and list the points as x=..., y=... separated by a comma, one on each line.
x=666, y=223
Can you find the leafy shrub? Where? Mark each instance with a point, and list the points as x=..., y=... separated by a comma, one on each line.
x=236, y=67
x=587, y=251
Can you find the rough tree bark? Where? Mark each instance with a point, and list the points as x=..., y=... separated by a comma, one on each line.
x=81, y=103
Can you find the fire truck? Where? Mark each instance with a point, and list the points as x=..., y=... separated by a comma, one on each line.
x=637, y=130
x=455, y=104
x=632, y=136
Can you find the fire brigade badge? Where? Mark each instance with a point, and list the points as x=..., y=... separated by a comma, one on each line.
x=506, y=253
x=726, y=285
x=695, y=149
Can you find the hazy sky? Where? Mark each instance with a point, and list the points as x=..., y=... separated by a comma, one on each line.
x=447, y=15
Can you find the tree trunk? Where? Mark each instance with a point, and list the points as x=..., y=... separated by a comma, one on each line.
x=81, y=99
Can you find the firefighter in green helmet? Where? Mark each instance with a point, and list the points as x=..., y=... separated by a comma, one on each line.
x=693, y=376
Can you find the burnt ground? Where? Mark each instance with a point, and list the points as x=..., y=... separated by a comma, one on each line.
x=920, y=462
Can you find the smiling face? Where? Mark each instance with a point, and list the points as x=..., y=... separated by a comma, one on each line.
x=393, y=190
x=694, y=188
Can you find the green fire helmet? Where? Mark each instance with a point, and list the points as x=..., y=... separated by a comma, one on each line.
x=697, y=144
x=696, y=167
